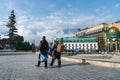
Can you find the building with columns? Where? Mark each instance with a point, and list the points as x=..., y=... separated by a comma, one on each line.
x=107, y=35
x=83, y=44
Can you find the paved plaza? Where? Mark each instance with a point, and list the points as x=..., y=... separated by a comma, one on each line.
x=21, y=66
x=105, y=60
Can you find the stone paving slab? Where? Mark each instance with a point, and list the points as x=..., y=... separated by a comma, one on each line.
x=7, y=50
x=105, y=60
x=105, y=57
x=22, y=67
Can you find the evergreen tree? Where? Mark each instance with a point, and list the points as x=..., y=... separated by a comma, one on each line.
x=14, y=39
x=78, y=29
x=11, y=26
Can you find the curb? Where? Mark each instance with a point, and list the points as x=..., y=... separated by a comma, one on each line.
x=94, y=62
x=7, y=50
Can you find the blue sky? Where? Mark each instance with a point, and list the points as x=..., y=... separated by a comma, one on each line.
x=53, y=18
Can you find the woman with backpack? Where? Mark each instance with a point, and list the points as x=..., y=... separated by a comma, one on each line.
x=57, y=55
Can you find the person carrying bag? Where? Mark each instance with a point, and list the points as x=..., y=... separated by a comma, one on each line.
x=43, y=47
x=43, y=58
x=57, y=55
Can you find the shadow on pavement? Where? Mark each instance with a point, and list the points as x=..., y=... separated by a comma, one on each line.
x=64, y=65
x=100, y=57
x=12, y=54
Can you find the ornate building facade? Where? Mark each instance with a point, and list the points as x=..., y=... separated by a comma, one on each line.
x=108, y=35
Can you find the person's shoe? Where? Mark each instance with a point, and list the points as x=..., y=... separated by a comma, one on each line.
x=59, y=66
x=46, y=67
x=37, y=66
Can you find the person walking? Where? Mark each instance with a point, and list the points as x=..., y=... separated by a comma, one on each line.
x=43, y=47
x=77, y=50
x=51, y=52
x=57, y=55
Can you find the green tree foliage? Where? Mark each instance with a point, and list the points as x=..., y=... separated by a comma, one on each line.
x=11, y=26
x=61, y=41
x=20, y=44
x=14, y=39
x=79, y=29
x=27, y=46
x=18, y=39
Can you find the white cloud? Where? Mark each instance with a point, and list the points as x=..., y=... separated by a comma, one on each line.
x=117, y=5
x=102, y=11
x=31, y=29
x=52, y=26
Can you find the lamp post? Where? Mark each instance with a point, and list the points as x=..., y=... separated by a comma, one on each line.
x=119, y=44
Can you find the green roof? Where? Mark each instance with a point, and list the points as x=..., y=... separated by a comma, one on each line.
x=77, y=39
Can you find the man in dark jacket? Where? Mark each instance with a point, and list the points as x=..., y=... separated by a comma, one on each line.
x=57, y=55
x=44, y=47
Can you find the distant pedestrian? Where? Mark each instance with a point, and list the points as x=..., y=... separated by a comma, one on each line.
x=44, y=47
x=77, y=50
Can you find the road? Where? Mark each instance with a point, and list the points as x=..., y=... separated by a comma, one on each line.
x=21, y=66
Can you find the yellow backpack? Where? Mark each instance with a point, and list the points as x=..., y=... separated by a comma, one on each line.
x=60, y=48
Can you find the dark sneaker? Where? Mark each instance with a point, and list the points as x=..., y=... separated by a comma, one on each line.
x=46, y=67
x=59, y=66
x=37, y=66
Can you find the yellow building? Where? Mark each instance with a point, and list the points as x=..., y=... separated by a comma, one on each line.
x=108, y=35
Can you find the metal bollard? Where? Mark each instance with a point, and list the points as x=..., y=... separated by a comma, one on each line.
x=83, y=61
